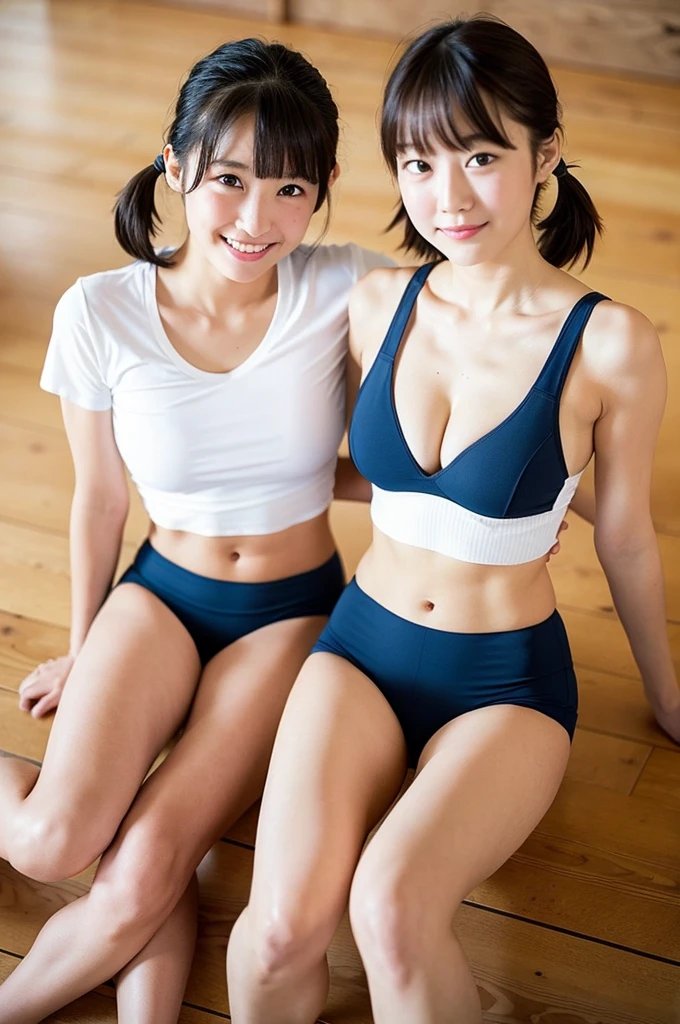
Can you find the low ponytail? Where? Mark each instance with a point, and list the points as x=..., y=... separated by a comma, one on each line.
x=568, y=232
x=136, y=217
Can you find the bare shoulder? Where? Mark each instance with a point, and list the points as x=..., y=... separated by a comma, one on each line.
x=372, y=304
x=619, y=341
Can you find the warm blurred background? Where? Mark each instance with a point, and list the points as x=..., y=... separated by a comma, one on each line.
x=583, y=924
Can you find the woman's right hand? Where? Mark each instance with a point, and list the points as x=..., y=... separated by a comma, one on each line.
x=41, y=691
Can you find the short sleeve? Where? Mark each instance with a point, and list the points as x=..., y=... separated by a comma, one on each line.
x=72, y=367
x=366, y=259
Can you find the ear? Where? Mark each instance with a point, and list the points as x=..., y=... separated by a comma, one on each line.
x=335, y=174
x=548, y=157
x=173, y=169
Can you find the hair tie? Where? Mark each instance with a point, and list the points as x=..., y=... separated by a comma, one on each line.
x=159, y=164
x=561, y=170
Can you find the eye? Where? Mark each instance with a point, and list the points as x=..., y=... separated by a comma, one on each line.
x=291, y=190
x=483, y=160
x=417, y=167
x=230, y=180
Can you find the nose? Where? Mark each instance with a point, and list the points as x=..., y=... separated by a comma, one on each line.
x=254, y=214
x=453, y=190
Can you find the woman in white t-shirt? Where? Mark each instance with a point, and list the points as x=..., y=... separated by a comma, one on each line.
x=216, y=376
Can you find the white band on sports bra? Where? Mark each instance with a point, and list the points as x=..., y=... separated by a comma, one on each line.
x=438, y=524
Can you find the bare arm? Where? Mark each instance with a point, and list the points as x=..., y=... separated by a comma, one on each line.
x=634, y=390
x=98, y=513
x=364, y=332
x=350, y=485
x=583, y=504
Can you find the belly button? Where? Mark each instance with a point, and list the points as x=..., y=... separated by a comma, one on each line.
x=428, y=606
x=234, y=556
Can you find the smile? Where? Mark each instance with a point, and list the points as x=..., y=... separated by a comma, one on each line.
x=245, y=247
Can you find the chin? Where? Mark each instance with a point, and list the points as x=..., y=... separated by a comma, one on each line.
x=242, y=273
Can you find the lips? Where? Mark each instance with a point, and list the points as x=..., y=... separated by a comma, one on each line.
x=246, y=251
x=462, y=231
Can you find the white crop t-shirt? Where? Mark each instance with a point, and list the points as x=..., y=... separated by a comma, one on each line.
x=250, y=451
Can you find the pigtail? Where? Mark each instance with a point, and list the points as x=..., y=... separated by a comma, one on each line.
x=568, y=232
x=136, y=217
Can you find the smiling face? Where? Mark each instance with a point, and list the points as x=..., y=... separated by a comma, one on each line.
x=242, y=225
x=471, y=202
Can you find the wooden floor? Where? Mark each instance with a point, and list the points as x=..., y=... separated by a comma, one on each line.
x=583, y=924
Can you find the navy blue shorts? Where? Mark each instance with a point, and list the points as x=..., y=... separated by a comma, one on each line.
x=218, y=612
x=430, y=676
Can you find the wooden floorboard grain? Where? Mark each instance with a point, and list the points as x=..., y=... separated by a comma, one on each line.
x=582, y=925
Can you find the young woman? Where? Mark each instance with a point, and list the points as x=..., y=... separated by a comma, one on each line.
x=216, y=376
x=490, y=378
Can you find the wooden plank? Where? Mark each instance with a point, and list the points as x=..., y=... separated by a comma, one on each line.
x=268, y=10
x=25, y=643
x=613, y=34
x=19, y=733
x=22, y=401
x=607, y=761
x=599, y=642
x=527, y=975
x=660, y=779
x=616, y=705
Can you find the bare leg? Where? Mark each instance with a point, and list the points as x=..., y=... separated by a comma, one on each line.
x=128, y=692
x=483, y=784
x=212, y=775
x=338, y=762
x=151, y=987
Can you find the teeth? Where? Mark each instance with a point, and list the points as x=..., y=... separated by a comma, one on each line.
x=240, y=247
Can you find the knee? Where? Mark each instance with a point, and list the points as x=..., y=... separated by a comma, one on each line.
x=138, y=884
x=387, y=918
x=49, y=845
x=284, y=937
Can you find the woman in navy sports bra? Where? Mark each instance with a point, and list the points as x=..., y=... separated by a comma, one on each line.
x=490, y=378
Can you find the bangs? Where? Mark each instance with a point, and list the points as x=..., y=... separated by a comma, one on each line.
x=445, y=104
x=290, y=140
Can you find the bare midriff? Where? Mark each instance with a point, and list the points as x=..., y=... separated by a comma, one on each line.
x=460, y=597
x=257, y=559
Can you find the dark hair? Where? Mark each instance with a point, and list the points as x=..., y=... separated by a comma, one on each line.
x=473, y=68
x=296, y=129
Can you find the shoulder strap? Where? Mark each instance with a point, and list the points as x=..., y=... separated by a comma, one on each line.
x=556, y=367
x=397, y=327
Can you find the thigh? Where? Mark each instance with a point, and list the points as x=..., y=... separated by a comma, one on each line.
x=483, y=783
x=128, y=692
x=338, y=762
x=217, y=767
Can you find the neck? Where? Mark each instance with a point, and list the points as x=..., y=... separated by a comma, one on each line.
x=195, y=282
x=502, y=286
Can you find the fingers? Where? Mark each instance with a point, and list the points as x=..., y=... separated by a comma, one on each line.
x=41, y=690
x=46, y=704
x=555, y=549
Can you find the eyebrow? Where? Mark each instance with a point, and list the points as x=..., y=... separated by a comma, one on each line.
x=468, y=142
x=231, y=163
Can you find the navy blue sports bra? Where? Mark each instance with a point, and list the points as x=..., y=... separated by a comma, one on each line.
x=500, y=501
